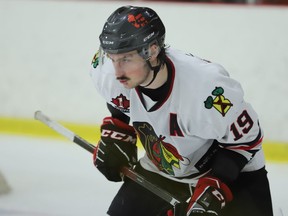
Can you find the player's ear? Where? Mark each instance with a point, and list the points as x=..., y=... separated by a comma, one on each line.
x=154, y=51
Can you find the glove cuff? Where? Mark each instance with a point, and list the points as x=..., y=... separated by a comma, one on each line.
x=118, y=123
x=120, y=132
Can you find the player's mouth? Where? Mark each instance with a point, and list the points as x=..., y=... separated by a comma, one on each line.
x=123, y=80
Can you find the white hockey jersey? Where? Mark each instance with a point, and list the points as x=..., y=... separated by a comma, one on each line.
x=203, y=105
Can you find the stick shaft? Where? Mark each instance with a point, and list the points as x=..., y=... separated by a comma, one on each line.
x=89, y=147
x=64, y=131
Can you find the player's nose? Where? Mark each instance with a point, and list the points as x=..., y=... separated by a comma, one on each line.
x=118, y=71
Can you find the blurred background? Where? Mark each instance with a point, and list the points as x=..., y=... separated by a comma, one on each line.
x=46, y=47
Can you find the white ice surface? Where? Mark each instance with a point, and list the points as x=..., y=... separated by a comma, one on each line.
x=57, y=178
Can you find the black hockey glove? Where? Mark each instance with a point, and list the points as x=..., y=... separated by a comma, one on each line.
x=209, y=197
x=117, y=148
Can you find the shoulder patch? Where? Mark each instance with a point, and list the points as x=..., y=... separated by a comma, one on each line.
x=219, y=102
x=95, y=60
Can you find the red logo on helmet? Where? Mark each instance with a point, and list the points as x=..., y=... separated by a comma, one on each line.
x=137, y=21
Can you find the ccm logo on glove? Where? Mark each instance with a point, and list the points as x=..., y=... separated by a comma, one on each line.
x=118, y=136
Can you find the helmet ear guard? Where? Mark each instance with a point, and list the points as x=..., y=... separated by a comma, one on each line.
x=146, y=53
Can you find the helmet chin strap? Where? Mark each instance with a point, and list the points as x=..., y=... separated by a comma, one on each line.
x=155, y=70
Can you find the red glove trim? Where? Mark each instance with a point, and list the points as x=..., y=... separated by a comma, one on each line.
x=118, y=123
x=204, y=182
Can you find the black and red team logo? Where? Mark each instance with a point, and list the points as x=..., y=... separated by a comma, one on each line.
x=163, y=154
x=121, y=102
x=137, y=20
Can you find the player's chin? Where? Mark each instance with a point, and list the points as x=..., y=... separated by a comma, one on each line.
x=128, y=85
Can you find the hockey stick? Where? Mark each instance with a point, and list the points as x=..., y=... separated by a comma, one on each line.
x=89, y=147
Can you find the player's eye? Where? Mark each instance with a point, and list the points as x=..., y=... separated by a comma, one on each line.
x=126, y=59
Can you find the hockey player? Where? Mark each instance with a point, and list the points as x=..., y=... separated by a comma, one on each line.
x=202, y=141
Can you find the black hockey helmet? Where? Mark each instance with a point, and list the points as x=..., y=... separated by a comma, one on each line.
x=132, y=28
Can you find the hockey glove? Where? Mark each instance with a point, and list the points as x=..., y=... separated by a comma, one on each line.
x=209, y=197
x=117, y=148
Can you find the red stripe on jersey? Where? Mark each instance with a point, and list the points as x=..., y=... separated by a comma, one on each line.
x=246, y=147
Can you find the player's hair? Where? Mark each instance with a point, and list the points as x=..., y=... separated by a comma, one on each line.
x=133, y=28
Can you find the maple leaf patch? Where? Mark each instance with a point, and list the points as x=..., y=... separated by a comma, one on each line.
x=121, y=102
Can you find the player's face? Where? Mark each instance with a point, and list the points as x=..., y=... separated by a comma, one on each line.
x=130, y=69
